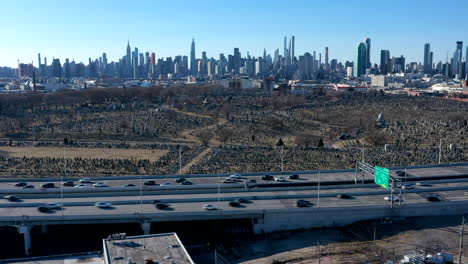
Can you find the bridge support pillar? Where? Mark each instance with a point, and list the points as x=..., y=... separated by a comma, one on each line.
x=26, y=231
x=146, y=226
x=44, y=229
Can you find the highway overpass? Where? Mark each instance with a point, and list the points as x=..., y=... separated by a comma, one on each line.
x=271, y=207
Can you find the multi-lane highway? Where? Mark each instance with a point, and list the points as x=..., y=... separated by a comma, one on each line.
x=273, y=204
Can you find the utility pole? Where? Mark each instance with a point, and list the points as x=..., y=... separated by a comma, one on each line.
x=460, y=248
x=440, y=151
x=282, y=157
x=318, y=190
x=180, y=160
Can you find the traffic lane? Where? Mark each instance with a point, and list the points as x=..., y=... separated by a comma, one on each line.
x=336, y=176
x=256, y=193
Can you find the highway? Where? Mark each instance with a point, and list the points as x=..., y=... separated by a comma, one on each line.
x=272, y=205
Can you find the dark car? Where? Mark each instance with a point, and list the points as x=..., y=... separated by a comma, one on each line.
x=400, y=173
x=161, y=205
x=432, y=198
x=21, y=184
x=186, y=183
x=303, y=203
x=242, y=200
x=11, y=198
x=68, y=183
x=44, y=209
x=128, y=185
x=267, y=177
x=234, y=204
x=48, y=185
x=180, y=180
x=149, y=183
x=293, y=177
x=29, y=186
x=343, y=196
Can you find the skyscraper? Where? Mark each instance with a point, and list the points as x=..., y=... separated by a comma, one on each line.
x=427, y=59
x=292, y=50
x=236, y=61
x=361, y=60
x=384, y=62
x=193, y=62
x=457, y=57
x=368, y=50
x=326, y=58
x=129, y=56
x=38, y=60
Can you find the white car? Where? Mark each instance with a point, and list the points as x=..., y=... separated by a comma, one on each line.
x=81, y=186
x=228, y=180
x=210, y=207
x=389, y=198
x=165, y=184
x=280, y=179
x=85, y=180
x=100, y=184
x=407, y=186
x=54, y=205
x=103, y=205
x=235, y=176
x=423, y=184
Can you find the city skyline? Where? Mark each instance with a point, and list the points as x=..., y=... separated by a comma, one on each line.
x=87, y=29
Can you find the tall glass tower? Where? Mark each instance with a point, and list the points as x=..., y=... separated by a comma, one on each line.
x=360, y=65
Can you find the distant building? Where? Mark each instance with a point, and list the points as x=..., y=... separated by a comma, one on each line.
x=361, y=61
x=379, y=80
x=427, y=59
x=25, y=70
x=384, y=62
x=368, y=52
x=350, y=88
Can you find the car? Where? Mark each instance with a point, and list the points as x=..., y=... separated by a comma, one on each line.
x=228, y=180
x=303, y=203
x=280, y=179
x=343, y=196
x=149, y=183
x=29, y=186
x=128, y=185
x=54, y=205
x=155, y=202
x=21, y=184
x=466, y=192
x=423, y=184
x=407, y=186
x=100, y=184
x=48, y=185
x=180, y=180
x=165, y=184
x=400, y=173
x=432, y=198
x=389, y=198
x=210, y=207
x=161, y=205
x=242, y=200
x=44, y=209
x=81, y=186
x=11, y=198
x=68, y=183
x=235, y=176
x=234, y=204
x=103, y=205
x=186, y=183
x=267, y=177
x=250, y=181
x=85, y=180
x=293, y=177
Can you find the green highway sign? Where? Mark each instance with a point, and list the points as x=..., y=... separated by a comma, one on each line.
x=382, y=177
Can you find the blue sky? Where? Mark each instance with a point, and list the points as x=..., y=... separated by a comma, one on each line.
x=86, y=28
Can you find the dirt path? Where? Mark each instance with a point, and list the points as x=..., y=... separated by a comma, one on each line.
x=195, y=160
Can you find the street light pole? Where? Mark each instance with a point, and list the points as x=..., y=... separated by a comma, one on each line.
x=440, y=151
x=180, y=160
x=318, y=190
x=282, y=158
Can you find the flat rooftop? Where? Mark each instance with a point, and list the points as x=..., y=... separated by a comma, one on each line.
x=79, y=259
x=160, y=248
